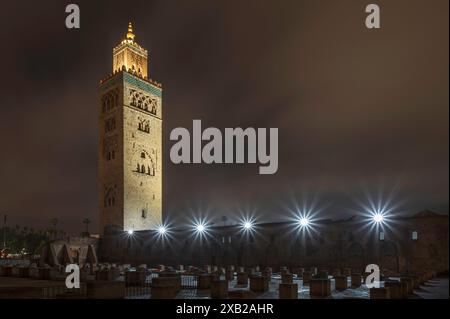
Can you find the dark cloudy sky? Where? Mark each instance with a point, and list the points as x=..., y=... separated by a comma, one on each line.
x=357, y=110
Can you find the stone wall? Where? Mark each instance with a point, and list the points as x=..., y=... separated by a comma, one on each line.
x=345, y=243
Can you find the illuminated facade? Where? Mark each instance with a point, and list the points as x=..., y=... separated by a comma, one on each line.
x=130, y=142
x=411, y=244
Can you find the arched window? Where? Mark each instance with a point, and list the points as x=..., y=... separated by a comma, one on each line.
x=414, y=235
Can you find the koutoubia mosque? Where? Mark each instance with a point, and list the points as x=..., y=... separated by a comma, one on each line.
x=131, y=201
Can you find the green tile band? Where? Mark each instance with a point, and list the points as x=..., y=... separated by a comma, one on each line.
x=141, y=84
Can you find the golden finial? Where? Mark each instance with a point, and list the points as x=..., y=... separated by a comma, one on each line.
x=130, y=34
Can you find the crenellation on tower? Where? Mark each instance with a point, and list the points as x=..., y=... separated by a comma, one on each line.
x=130, y=143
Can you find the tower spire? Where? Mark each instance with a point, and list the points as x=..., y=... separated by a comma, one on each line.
x=130, y=34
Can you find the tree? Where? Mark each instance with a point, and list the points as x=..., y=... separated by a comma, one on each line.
x=87, y=221
x=52, y=231
x=54, y=222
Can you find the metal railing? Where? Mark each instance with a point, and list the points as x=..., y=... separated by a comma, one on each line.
x=62, y=292
x=143, y=288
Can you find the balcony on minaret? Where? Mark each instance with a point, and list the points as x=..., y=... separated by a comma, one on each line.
x=130, y=56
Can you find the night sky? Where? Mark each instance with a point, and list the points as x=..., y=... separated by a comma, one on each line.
x=361, y=113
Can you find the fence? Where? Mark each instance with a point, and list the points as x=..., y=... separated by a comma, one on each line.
x=62, y=292
x=143, y=288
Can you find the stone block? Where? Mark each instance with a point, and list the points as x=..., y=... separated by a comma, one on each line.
x=204, y=281
x=379, y=293
x=7, y=271
x=219, y=289
x=259, y=284
x=341, y=282
x=240, y=294
x=307, y=276
x=105, y=290
x=44, y=273
x=134, y=278
x=242, y=278
x=176, y=277
x=410, y=282
x=104, y=275
x=23, y=272
x=397, y=289
x=163, y=288
x=356, y=280
x=288, y=291
x=320, y=287
x=229, y=275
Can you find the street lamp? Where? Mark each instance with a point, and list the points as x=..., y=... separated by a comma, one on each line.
x=378, y=218
x=247, y=225
x=304, y=222
x=200, y=228
x=162, y=230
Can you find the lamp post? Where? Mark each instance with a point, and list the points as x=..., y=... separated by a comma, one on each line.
x=4, y=230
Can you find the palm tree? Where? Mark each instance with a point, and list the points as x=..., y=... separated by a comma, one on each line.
x=87, y=221
x=53, y=231
x=54, y=222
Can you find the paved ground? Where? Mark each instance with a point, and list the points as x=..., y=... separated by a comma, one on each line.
x=437, y=288
x=434, y=289
x=11, y=282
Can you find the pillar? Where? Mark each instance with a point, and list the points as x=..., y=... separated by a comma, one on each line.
x=219, y=289
x=288, y=291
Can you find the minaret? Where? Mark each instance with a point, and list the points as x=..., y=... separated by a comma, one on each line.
x=130, y=142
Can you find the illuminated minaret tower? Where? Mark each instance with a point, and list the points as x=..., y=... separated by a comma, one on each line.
x=130, y=142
